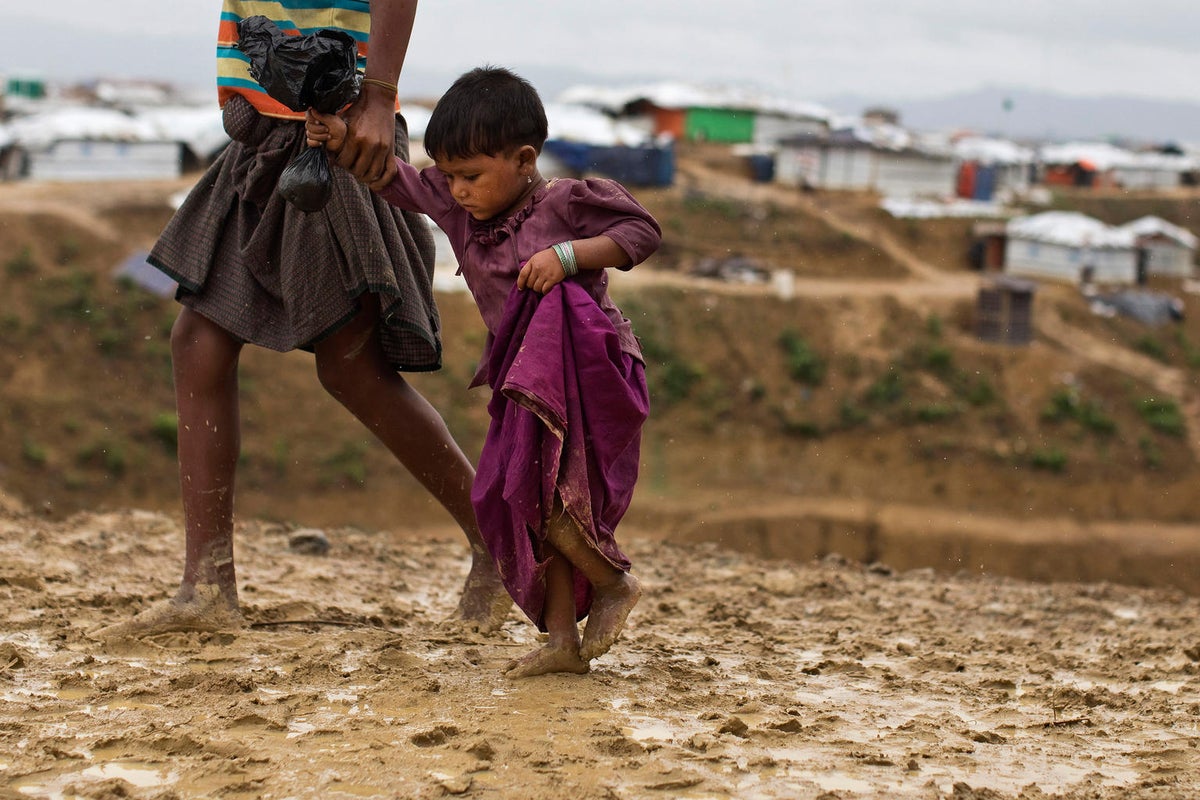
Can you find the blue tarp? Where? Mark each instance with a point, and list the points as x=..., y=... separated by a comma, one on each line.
x=634, y=166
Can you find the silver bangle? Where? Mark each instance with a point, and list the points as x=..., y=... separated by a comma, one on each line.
x=566, y=256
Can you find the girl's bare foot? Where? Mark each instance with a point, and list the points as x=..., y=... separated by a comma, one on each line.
x=610, y=608
x=547, y=659
x=484, y=602
x=207, y=609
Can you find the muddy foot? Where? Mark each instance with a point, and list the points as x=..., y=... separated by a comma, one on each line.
x=484, y=603
x=610, y=609
x=545, y=660
x=207, y=610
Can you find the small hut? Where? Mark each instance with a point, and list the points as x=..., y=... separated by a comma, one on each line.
x=1004, y=311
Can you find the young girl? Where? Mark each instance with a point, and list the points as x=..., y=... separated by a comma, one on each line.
x=569, y=394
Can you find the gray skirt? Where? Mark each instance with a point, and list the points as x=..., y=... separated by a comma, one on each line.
x=281, y=278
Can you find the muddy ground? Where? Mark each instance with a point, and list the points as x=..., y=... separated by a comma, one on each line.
x=738, y=678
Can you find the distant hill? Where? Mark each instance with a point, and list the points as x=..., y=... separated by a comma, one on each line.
x=1021, y=113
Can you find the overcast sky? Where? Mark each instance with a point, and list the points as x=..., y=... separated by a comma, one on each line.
x=802, y=49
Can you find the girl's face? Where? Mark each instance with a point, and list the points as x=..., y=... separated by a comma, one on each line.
x=490, y=186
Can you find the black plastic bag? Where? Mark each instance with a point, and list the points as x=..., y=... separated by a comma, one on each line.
x=318, y=70
x=307, y=181
x=315, y=71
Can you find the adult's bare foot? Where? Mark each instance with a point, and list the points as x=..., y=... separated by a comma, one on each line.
x=485, y=602
x=547, y=659
x=207, y=609
x=610, y=608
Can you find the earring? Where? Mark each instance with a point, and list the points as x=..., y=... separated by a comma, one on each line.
x=529, y=179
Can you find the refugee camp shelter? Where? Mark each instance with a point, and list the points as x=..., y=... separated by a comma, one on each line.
x=1100, y=164
x=1072, y=247
x=584, y=140
x=991, y=167
x=87, y=143
x=1165, y=249
x=849, y=159
x=1154, y=170
x=1081, y=164
x=687, y=112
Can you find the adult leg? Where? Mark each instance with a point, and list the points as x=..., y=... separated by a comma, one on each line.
x=614, y=591
x=204, y=362
x=352, y=368
x=561, y=651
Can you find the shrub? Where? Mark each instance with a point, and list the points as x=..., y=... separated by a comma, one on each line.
x=105, y=454
x=165, y=428
x=33, y=453
x=1151, y=347
x=887, y=389
x=978, y=392
x=803, y=365
x=936, y=412
x=1163, y=416
x=1051, y=459
x=1066, y=404
x=21, y=264
x=349, y=463
x=939, y=359
x=933, y=326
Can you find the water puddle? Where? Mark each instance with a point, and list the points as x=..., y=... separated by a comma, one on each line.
x=136, y=773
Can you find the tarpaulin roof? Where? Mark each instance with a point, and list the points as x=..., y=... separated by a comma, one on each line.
x=988, y=150
x=1071, y=229
x=669, y=94
x=1156, y=226
x=198, y=127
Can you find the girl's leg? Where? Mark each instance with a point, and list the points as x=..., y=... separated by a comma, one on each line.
x=615, y=592
x=205, y=362
x=352, y=368
x=561, y=652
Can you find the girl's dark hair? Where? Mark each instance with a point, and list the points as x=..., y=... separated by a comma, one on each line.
x=487, y=111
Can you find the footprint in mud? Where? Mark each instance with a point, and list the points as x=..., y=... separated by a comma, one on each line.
x=434, y=736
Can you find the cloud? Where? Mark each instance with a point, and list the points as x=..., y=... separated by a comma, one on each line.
x=806, y=49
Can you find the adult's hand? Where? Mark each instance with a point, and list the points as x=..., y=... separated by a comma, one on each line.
x=368, y=152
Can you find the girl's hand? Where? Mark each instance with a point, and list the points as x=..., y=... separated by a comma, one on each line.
x=324, y=129
x=541, y=272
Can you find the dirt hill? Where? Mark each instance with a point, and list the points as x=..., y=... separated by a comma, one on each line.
x=861, y=415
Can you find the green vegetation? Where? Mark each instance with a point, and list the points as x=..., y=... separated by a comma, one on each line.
x=21, y=264
x=887, y=389
x=1163, y=416
x=936, y=412
x=1067, y=405
x=106, y=454
x=33, y=453
x=804, y=365
x=348, y=463
x=1051, y=459
x=1152, y=347
x=165, y=428
x=671, y=379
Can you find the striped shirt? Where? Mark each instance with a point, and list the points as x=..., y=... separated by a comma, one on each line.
x=294, y=17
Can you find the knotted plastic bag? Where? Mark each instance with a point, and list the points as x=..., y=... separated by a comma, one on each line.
x=318, y=71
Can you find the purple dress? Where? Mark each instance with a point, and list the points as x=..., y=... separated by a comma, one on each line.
x=568, y=385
